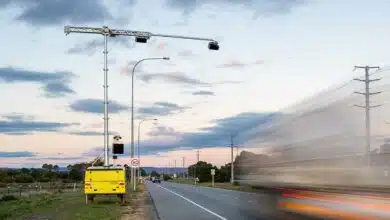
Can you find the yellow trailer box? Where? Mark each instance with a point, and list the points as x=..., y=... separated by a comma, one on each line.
x=105, y=180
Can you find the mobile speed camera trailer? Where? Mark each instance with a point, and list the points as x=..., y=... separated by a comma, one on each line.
x=140, y=37
x=106, y=180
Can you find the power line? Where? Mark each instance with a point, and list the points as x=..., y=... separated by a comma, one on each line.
x=367, y=105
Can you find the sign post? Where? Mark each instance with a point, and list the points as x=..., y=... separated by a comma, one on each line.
x=212, y=176
x=134, y=164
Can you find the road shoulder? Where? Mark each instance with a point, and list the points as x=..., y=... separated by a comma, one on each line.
x=139, y=205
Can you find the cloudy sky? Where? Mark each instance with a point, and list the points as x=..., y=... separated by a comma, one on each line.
x=272, y=54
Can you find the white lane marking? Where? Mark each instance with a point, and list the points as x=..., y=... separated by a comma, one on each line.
x=194, y=203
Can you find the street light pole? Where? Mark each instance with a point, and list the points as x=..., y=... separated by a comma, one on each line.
x=132, y=110
x=132, y=98
x=138, y=145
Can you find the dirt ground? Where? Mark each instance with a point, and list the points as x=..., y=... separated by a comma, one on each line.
x=139, y=205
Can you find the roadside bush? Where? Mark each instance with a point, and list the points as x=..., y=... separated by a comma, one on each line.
x=166, y=177
x=235, y=183
x=24, y=178
x=67, y=181
x=7, y=179
x=8, y=198
x=3, y=185
x=44, y=180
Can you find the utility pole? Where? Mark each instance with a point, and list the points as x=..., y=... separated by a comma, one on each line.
x=232, y=159
x=183, y=167
x=367, y=105
x=196, y=165
x=174, y=171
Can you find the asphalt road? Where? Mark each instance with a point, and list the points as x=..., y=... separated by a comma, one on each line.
x=189, y=202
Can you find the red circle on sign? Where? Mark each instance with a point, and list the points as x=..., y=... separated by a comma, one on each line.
x=134, y=162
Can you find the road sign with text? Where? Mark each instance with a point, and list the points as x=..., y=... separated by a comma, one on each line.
x=213, y=172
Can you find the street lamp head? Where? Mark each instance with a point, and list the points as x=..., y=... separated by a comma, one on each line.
x=141, y=40
x=166, y=58
x=213, y=45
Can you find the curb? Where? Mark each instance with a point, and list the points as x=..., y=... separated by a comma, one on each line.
x=156, y=216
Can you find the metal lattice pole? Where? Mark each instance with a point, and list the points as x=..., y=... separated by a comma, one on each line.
x=141, y=37
x=106, y=134
x=367, y=106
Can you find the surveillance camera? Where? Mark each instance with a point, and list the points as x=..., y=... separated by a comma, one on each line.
x=213, y=45
x=141, y=40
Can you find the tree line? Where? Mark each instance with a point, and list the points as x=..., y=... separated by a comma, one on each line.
x=50, y=173
x=75, y=172
x=202, y=169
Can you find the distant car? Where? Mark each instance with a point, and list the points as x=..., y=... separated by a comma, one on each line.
x=156, y=180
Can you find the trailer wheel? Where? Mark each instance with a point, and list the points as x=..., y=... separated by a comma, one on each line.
x=89, y=199
x=122, y=198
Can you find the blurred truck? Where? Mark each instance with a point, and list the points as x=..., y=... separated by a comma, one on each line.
x=316, y=163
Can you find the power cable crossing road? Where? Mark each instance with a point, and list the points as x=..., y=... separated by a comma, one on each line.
x=179, y=201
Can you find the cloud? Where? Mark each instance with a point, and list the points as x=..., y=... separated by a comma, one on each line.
x=162, y=131
x=214, y=136
x=259, y=62
x=259, y=7
x=17, y=116
x=203, y=93
x=95, y=106
x=54, y=84
x=97, y=45
x=94, y=125
x=56, y=158
x=127, y=69
x=228, y=82
x=18, y=126
x=238, y=64
x=90, y=133
x=180, y=78
x=231, y=64
x=161, y=109
x=57, y=89
x=186, y=53
x=16, y=154
x=161, y=45
x=49, y=12
x=173, y=77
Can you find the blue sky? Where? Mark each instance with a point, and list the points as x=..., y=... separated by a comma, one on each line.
x=271, y=56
